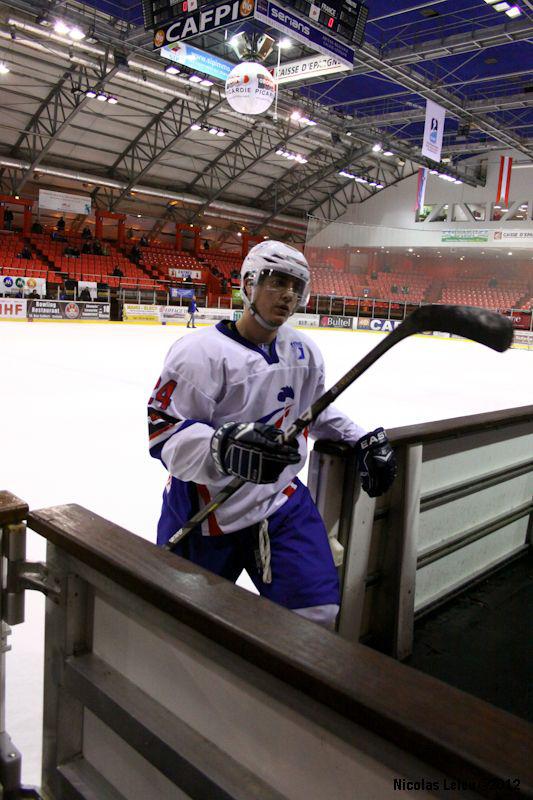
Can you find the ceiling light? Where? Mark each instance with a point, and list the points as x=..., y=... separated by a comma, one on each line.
x=170, y=69
x=284, y=44
x=206, y=82
x=195, y=126
x=101, y=96
x=90, y=93
x=296, y=115
x=139, y=216
x=457, y=180
x=491, y=2
x=112, y=100
x=376, y=148
x=209, y=227
x=213, y=130
x=510, y=253
x=77, y=34
x=239, y=233
x=348, y=133
x=195, y=78
x=4, y=69
x=513, y=12
x=501, y=6
x=61, y=28
x=410, y=250
x=388, y=153
x=221, y=132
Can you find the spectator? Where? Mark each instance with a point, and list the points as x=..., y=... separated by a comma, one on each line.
x=223, y=286
x=206, y=245
x=86, y=233
x=135, y=254
x=117, y=272
x=85, y=294
x=36, y=227
x=61, y=224
x=144, y=241
x=405, y=289
x=8, y=219
x=130, y=233
x=97, y=248
x=57, y=237
x=86, y=248
x=105, y=250
x=25, y=252
x=33, y=295
x=71, y=251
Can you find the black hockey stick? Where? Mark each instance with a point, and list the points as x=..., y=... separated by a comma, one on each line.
x=485, y=327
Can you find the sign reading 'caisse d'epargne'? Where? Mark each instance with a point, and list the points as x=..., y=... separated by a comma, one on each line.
x=208, y=18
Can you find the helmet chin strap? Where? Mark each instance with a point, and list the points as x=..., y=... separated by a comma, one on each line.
x=257, y=316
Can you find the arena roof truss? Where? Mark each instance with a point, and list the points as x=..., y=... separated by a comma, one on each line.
x=143, y=154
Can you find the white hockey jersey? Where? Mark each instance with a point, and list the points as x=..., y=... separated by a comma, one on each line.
x=215, y=376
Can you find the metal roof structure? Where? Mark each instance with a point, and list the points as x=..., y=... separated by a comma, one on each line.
x=142, y=157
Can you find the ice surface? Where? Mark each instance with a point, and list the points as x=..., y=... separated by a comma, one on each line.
x=73, y=429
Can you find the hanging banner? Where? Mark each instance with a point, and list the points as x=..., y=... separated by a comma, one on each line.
x=59, y=201
x=306, y=68
x=433, y=130
x=197, y=59
x=504, y=179
x=187, y=274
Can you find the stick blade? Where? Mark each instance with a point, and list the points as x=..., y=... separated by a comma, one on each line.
x=486, y=327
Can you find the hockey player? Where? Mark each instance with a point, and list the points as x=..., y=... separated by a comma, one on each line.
x=217, y=410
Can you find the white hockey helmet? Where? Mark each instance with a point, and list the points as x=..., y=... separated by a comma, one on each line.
x=272, y=256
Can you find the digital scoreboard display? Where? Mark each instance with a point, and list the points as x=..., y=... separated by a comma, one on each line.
x=346, y=18
x=159, y=12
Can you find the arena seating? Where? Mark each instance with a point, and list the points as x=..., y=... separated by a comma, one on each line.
x=90, y=267
x=10, y=246
x=161, y=259
x=478, y=292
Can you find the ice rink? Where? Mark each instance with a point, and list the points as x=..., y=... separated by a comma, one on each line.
x=73, y=429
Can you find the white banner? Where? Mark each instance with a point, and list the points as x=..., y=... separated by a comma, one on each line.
x=12, y=309
x=11, y=284
x=307, y=68
x=192, y=274
x=59, y=201
x=304, y=320
x=433, y=130
x=92, y=286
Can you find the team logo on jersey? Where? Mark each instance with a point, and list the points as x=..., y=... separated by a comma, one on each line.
x=286, y=393
x=298, y=349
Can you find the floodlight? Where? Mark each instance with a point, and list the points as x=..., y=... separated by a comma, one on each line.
x=4, y=69
x=61, y=28
x=513, y=12
x=77, y=34
x=90, y=93
x=171, y=69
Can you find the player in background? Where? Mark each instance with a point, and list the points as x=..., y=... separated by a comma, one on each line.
x=192, y=309
x=217, y=410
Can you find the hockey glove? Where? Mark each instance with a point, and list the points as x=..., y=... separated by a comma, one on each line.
x=252, y=451
x=376, y=462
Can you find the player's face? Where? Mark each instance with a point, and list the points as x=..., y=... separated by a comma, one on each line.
x=277, y=296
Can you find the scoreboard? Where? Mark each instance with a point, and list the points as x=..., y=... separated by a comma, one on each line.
x=346, y=18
